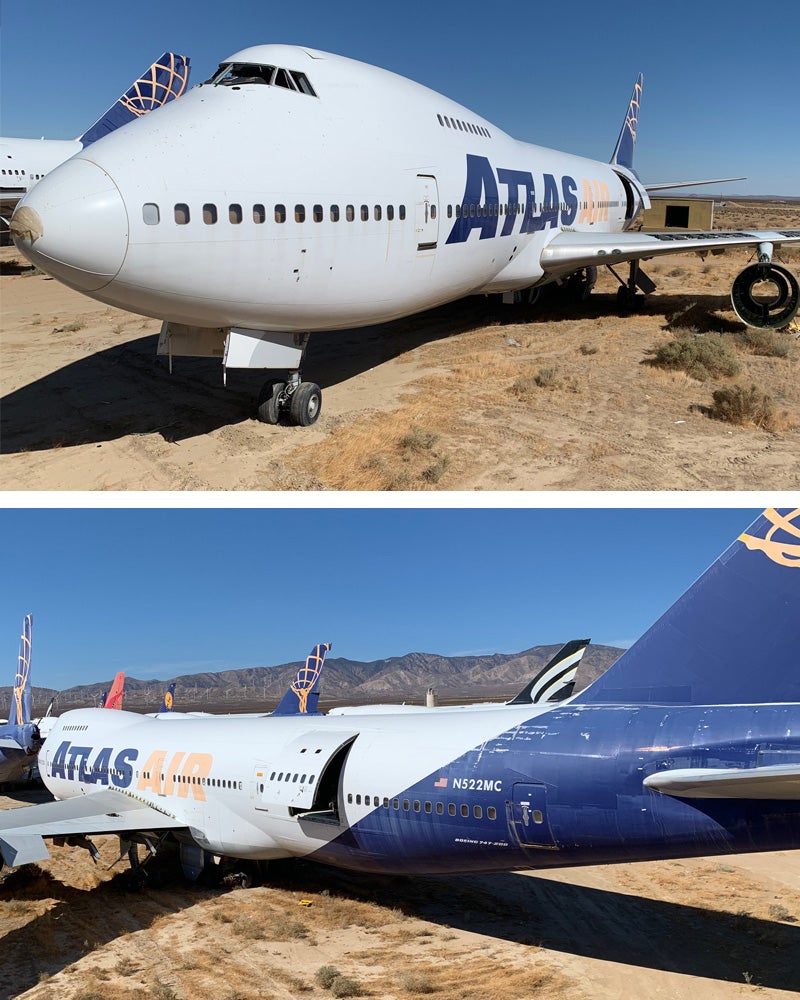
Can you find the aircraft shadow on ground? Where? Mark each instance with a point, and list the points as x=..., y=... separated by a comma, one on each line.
x=578, y=920
x=127, y=390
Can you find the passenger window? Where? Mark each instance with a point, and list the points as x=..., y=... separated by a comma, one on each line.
x=150, y=213
x=537, y=816
x=181, y=214
x=402, y=212
x=358, y=800
x=259, y=214
x=433, y=211
x=209, y=214
x=350, y=213
x=440, y=120
x=390, y=212
x=303, y=777
x=299, y=213
x=395, y=803
x=318, y=213
x=477, y=812
x=280, y=213
x=427, y=807
x=364, y=213
x=439, y=808
x=385, y=803
x=451, y=809
x=350, y=798
x=405, y=805
x=465, y=810
x=334, y=213
x=416, y=805
x=375, y=800
x=234, y=214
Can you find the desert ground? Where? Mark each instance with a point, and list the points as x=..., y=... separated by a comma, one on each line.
x=712, y=929
x=470, y=396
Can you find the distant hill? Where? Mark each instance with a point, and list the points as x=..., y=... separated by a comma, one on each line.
x=396, y=679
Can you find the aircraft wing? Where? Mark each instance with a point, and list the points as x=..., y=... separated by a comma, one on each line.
x=568, y=251
x=779, y=781
x=106, y=811
x=9, y=743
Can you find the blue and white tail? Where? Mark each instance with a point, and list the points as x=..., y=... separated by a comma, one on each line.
x=21, y=713
x=303, y=694
x=626, y=143
x=556, y=679
x=165, y=80
x=732, y=638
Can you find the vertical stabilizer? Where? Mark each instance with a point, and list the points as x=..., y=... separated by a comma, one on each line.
x=114, y=697
x=168, y=704
x=732, y=638
x=165, y=80
x=22, y=688
x=303, y=693
x=555, y=680
x=626, y=143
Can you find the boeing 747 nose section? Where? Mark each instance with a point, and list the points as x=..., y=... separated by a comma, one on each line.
x=74, y=225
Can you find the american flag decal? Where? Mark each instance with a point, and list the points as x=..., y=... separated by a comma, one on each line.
x=440, y=783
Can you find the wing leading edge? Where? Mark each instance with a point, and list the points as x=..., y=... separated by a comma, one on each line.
x=568, y=251
x=106, y=811
x=780, y=781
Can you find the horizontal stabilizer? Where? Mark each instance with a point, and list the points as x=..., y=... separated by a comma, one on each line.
x=781, y=781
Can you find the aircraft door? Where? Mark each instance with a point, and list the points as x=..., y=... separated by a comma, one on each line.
x=426, y=212
x=527, y=816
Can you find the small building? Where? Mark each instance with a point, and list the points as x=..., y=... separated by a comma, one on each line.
x=679, y=213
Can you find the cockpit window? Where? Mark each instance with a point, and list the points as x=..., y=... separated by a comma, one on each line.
x=240, y=74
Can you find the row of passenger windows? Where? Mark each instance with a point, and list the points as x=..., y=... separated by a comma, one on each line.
x=20, y=173
x=518, y=208
x=182, y=214
x=416, y=805
x=456, y=123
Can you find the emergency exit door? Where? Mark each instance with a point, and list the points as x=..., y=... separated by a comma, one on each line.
x=426, y=212
x=527, y=816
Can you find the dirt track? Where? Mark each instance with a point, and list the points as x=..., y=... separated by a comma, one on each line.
x=712, y=929
x=445, y=400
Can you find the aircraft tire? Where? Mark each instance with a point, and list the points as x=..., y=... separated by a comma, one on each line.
x=268, y=401
x=305, y=404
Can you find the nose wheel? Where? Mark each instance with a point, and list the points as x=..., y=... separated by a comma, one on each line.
x=301, y=401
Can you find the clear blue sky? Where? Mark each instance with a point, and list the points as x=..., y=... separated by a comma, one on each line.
x=721, y=86
x=159, y=593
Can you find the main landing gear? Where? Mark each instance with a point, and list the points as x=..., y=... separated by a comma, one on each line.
x=627, y=298
x=301, y=401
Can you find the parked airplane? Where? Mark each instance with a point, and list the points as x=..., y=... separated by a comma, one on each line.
x=298, y=191
x=688, y=745
x=301, y=698
x=554, y=682
x=24, y=162
x=20, y=739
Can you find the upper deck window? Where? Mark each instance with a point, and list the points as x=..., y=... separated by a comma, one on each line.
x=239, y=74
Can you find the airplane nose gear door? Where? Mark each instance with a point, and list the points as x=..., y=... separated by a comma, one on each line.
x=527, y=816
x=426, y=212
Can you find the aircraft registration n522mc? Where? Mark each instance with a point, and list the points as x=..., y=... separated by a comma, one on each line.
x=688, y=745
x=298, y=191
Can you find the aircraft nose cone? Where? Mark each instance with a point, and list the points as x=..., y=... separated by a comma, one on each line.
x=74, y=226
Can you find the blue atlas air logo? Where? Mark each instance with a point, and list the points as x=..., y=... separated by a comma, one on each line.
x=781, y=543
x=563, y=201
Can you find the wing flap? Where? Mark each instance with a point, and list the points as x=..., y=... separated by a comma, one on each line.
x=780, y=781
x=106, y=811
x=568, y=251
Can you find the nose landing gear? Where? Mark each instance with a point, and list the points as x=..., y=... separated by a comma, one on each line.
x=302, y=401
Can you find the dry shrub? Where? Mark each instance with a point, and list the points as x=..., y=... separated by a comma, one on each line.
x=588, y=349
x=737, y=404
x=547, y=377
x=766, y=343
x=418, y=439
x=285, y=929
x=702, y=357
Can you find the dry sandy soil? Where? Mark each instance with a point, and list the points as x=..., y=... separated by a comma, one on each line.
x=446, y=400
x=712, y=929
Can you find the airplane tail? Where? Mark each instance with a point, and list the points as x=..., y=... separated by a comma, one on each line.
x=556, y=679
x=732, y=638
x=22, y=690
x=114, y=697
x=165, y=80
x=303, y=693
x=167, y=705
x=626, y=143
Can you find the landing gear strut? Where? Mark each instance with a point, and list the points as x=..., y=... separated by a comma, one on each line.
x=301, y=400
x=627, y=297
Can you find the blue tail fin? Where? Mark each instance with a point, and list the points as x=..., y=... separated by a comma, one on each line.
x=556, y=679
x=22, y=689
x=626, y=143
x=165, y=80
x=303, y=693
x=732, y=638
x=168, y=704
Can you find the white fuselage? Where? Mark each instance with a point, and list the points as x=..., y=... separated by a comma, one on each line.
x=270, y=209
